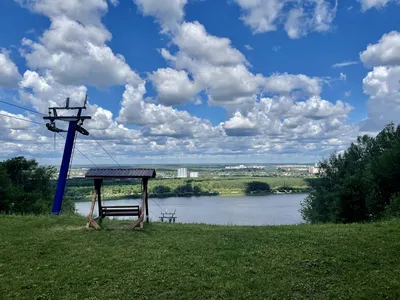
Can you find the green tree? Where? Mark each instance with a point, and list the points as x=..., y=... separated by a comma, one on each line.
x=161, y=190
x=359, y=184
x=27, y=187
x=257, y=187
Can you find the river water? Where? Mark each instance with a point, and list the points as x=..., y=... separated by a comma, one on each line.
x=226, y=210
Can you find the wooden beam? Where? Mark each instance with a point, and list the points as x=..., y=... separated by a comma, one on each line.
x=137, y=223
x=145, y=183
x=92, y=221
x=97, y=186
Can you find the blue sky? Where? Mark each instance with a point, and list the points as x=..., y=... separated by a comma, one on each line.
x=200, y=81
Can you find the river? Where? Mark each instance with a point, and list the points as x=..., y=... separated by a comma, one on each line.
x=225, y=210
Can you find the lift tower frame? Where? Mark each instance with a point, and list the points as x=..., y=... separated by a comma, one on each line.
x=75, y=124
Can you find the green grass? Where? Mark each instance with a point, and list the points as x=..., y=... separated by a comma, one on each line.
x=57, y=258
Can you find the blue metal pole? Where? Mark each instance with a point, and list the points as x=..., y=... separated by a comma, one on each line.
x=62, y=178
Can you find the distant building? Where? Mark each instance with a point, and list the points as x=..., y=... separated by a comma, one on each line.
x=313, y=170
x=182, y=173
x=194, y=174
x=242, y=167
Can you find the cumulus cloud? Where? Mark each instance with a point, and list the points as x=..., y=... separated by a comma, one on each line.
x=280, y=113
x=168, y=13
x=42, y=92
x=194, y=41
x=9, y=74
x=239, y=125
x=14, y=121
x=87, y=12
x=384, y=53
x=74, y=48
x=159, y=120
x=378, y=4
x=382, y=84
x=223, y=72
x=284, y=118
x=173, y=86
x=286, y=83
x=298, y=18
x=260, y=15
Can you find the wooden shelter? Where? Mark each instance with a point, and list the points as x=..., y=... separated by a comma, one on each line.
x=98, y=174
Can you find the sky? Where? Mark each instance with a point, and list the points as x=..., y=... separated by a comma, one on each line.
x=198, y=81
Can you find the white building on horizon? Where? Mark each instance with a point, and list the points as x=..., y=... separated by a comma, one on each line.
x=182, y=173
x=193, y=174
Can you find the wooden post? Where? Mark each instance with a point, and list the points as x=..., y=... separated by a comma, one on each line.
x=145, y=184
x=97, y=187
x=143, y=204
x=91, y=221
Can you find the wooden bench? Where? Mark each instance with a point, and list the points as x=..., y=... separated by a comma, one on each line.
x=121, y=211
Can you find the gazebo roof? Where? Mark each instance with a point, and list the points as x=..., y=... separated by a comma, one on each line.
x=120, y=173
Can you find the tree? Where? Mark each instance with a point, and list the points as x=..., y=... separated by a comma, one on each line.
x=26, y=187
x=359, y=184
x=257, y=187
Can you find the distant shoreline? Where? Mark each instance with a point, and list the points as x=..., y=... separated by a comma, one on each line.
x=137, y=196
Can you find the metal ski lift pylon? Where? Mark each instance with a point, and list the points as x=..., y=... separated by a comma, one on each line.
x=75, y=124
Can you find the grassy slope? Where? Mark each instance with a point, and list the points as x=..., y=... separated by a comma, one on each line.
x=56, y=258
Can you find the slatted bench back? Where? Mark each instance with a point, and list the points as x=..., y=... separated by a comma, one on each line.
x=120, y=211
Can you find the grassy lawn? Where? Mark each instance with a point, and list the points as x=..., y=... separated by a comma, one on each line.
x=57, y=258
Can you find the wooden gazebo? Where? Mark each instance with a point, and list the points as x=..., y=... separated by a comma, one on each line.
x=142, y=212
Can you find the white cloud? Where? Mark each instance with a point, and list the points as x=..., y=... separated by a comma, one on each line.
x=248, y=47
x=74, y=48
x=13, y=121
x=44, y=91
x=168, y=13
x=286, y=83
x=284, y=125
x=343, y=76
x=347, y=94
x=41, y=92
x=173, y=87
x=77, y=54
x=378, y=4
x=344, y=64
x=382, y=84
x=240, y=126
x=301, y=21
x=384, y=53
x=199, y=61
x=159, y=120
x=222, y=71
x=260, y=15
x=85, y=12
x=196, y=43
x=9, y=75
x=298, y=18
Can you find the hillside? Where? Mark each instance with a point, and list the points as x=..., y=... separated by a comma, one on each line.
x=57, y=258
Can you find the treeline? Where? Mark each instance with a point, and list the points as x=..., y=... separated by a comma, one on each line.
x=362, y=184
x=27, y=188
x=82, y=189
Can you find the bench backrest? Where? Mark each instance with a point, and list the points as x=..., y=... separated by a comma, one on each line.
x=115, y=211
